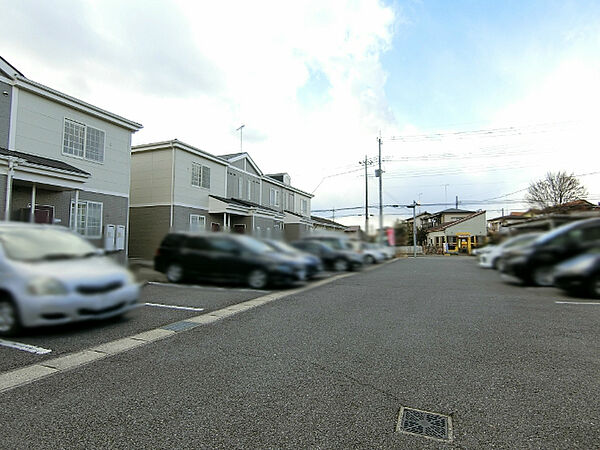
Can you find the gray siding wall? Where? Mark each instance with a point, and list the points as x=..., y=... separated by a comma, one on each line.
x=181, y=217
x=4, y=113
x=232, y=186
x=147, y=226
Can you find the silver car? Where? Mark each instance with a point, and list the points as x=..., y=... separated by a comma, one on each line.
x=50, y=275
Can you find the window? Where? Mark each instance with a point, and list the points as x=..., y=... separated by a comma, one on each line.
x=87, y=220
x=291, y=205
x=83, y=141
x=249, y=193
x=274, y=197
x=197, y=222
x=200, y=175
x=240, y=187
x=304, y=206
x=94, y=145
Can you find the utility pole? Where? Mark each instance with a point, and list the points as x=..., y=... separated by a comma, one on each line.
x=414, y=207
x=457, y=202
x=240, y=130
x=378, y=173
x=366, y=198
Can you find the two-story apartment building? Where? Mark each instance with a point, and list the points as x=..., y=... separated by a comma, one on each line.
x=177, y=187
x=63, y=161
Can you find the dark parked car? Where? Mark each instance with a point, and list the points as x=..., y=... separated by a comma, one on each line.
x=534, y=263
x=313, y=263
x=338, y=260
x=580, y=275
x=225, y=257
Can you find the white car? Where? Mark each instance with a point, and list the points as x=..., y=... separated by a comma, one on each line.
x=372, y=254
x=490, y=256
x=50, y=275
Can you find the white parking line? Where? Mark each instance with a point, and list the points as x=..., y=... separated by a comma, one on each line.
x=24, y=347
x=185, y=308
x=577, y=303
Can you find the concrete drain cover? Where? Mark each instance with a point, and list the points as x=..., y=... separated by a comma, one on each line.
x=425, y=424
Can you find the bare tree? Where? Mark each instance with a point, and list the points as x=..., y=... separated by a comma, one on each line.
x=555, y=189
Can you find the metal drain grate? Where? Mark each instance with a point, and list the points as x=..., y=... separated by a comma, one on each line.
x=425, y=423
x=180, y=326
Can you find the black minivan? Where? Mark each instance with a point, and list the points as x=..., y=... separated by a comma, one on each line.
x=225, y=257
x=534, y=263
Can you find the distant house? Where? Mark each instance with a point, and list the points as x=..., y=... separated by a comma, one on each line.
x=552, y=217
x=178, y=187
x=498, y=224
x=63, y=161
x=445, y=216
x=421, y=220
x=474, y=224
x=320, y=224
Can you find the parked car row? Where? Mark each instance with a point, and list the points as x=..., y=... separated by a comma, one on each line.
x=567, y=257
x=220, y=257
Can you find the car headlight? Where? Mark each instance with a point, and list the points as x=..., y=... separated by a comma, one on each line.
x=46, y=286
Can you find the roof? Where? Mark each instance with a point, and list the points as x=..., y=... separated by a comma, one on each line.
x=453, y=211
x=41, y=161
x=230, y=156
x=8, y=68
x=455, y=222
x=327, y=222
x=244, y=203
x=175, y=143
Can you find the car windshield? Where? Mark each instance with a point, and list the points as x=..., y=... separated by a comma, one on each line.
x=334, y=243
x=551, y=235
x=282, y=247
x=520, y=240
x=255, y=246
x=39, y=244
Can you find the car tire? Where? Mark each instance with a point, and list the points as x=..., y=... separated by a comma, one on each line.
x=340, y=265
x=257, y=279
x=369, y=260
x=594, y=287
x=9, y=317
x=174, y=273
x=542, y=276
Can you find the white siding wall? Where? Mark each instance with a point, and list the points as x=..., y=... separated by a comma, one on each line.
x=39, y=131
x=151, y=177
x=477, y=226
x=187, y=194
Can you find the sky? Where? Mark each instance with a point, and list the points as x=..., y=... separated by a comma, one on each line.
x=471, y=99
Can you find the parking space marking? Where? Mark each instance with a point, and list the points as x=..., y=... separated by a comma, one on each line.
x=36, y=372
x=577, y=303
x=197, y=286
x=185, y=308
x=25, y=347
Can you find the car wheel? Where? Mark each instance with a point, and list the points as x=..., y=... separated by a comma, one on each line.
x=258, y=279
x=543, y=276
x=9, y=318
x=499, y=264
x=369, y=260
x=174, y=273
x=340, y=265
x=594, y=288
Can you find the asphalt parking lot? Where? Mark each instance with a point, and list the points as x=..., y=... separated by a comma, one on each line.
x=160, y=304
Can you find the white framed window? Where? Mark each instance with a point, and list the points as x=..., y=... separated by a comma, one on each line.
x=83, y=141
x=197, y=222
x=73, y=138
x=291, y=206
x=249, y=186
x=274, y=197
x=304, y=206
x=200, y=175
x=87, y=220
x=240, y=187
x=94, y=144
